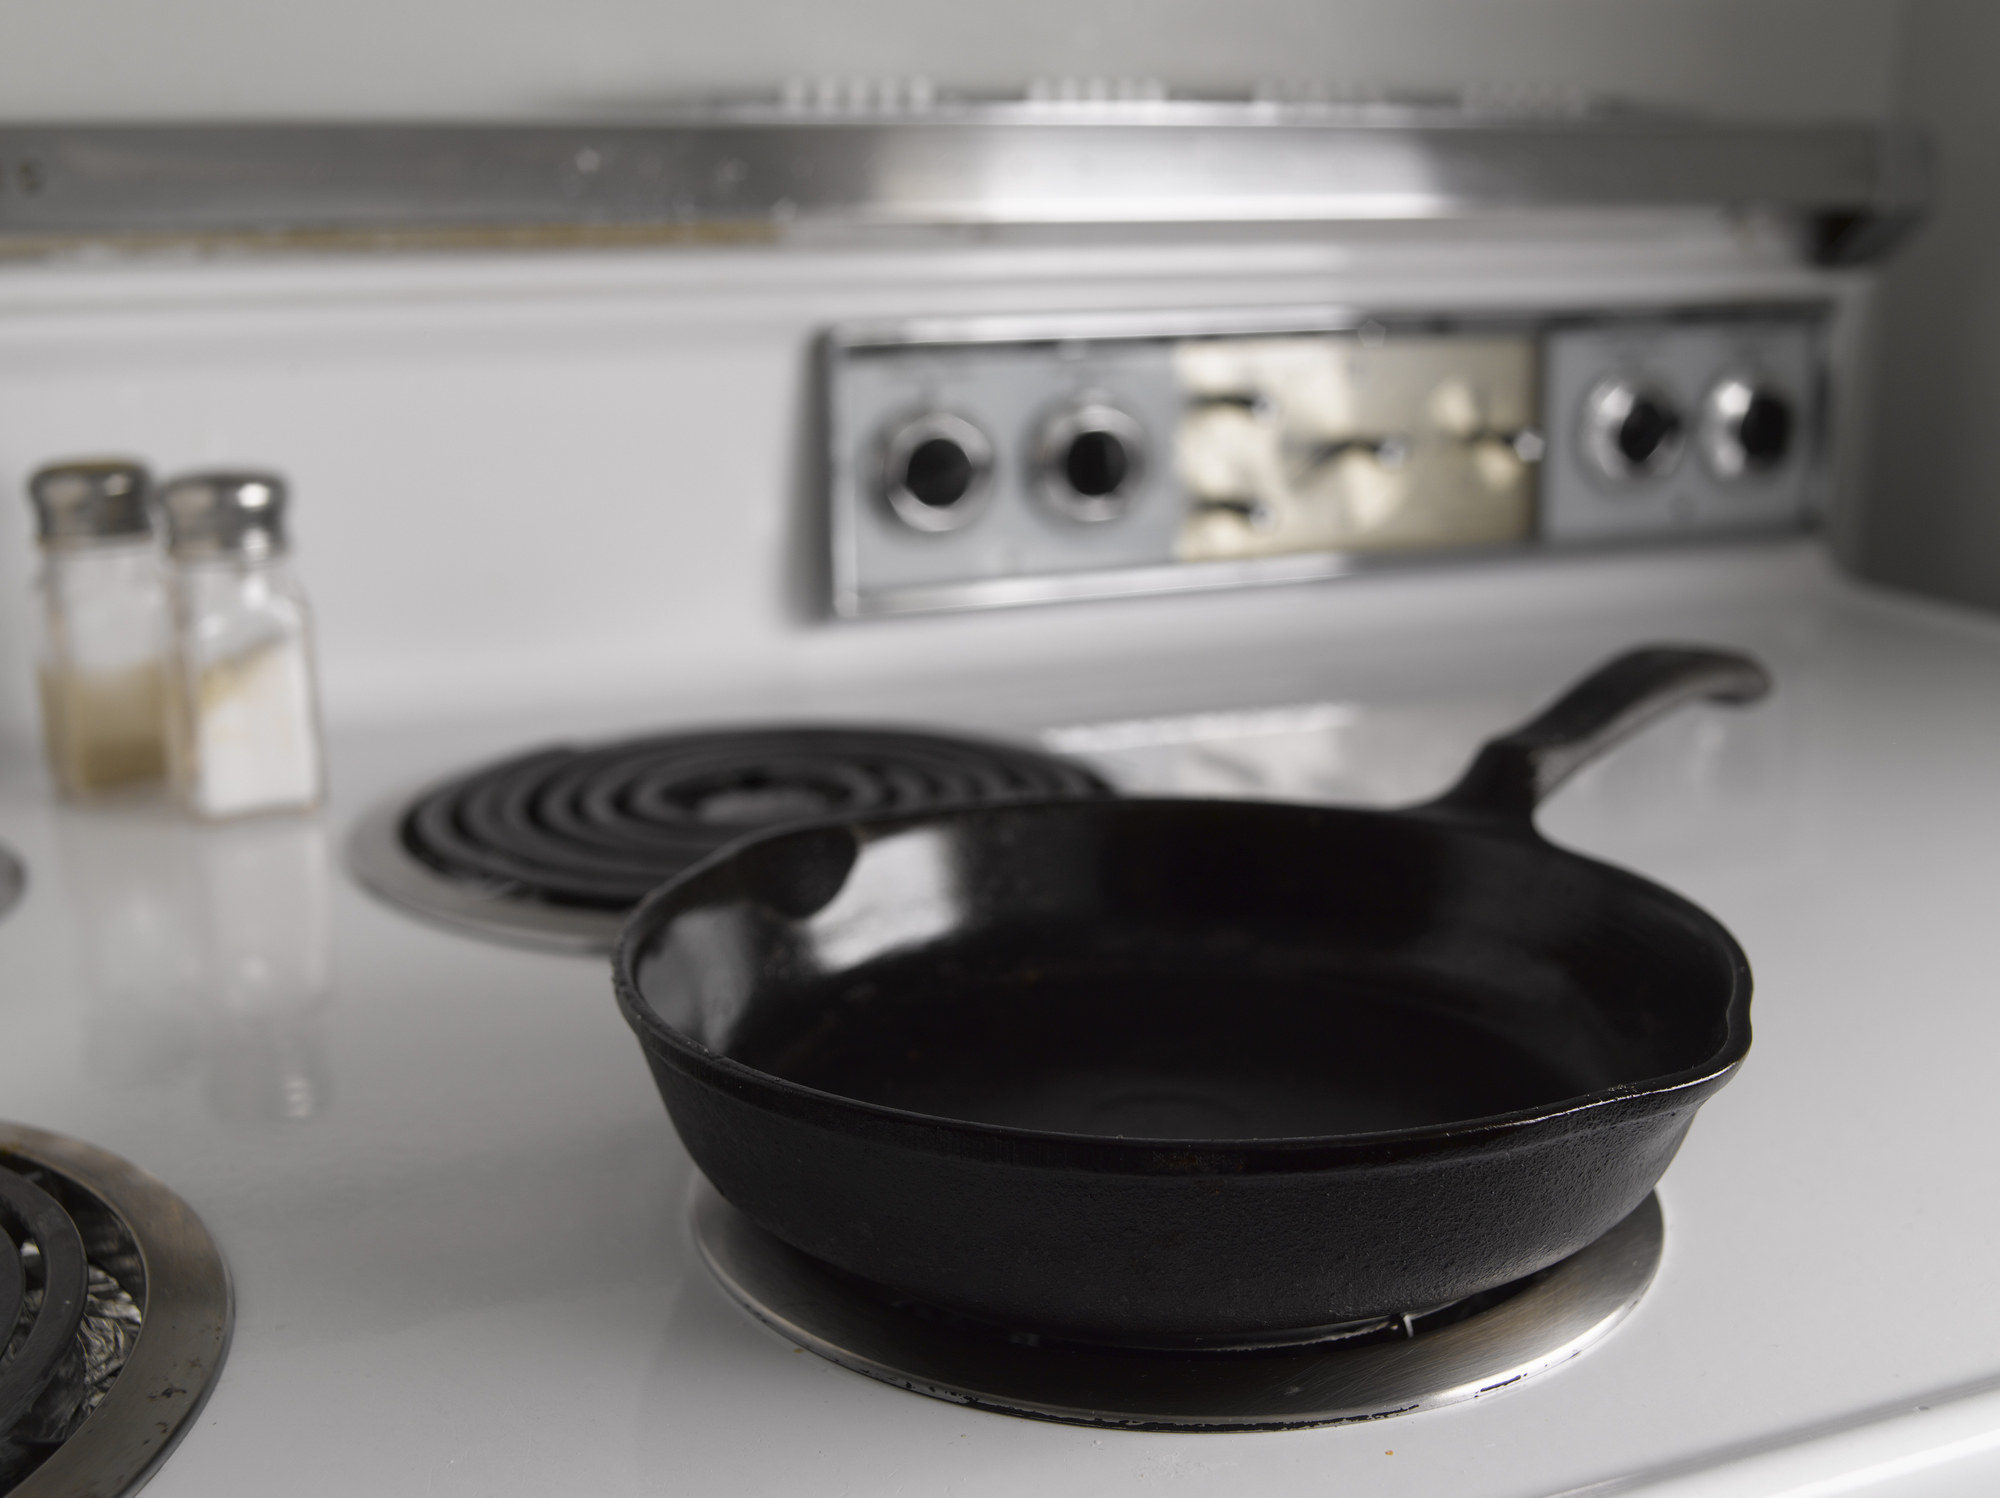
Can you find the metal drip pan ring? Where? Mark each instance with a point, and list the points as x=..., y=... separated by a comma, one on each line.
x=188, y=1313
x=384, y=866
x=1555, y=1316
x=554, y=847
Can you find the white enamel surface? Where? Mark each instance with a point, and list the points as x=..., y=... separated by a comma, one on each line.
x=453, y=1204
x=551, y=497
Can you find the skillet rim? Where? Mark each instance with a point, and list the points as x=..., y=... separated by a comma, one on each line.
x=1011, y=1144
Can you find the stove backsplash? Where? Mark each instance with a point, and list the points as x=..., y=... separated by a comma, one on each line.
x=659, y=477
x=1013, y=460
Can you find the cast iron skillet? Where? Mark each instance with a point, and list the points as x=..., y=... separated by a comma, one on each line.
x=1192, y=1073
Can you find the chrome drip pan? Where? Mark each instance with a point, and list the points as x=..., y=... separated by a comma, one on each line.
x=146, y=1239
x=1443, y=1357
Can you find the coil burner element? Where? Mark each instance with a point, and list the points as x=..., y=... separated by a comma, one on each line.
x=115, y=1312
x=552, y=848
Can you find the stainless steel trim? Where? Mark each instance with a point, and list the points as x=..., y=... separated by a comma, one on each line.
x=1127, y=582
x=188, y=1313
x=382, y=866
x=1084, y=418
x=861, y=336
x=1093, y=327
x=1605, y=410
x=902, y=443
x=737, y=173
x=1130, y=582
x=1198, y=577
x=1551, y=1321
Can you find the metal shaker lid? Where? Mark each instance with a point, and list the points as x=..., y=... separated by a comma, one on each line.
x=98, y=499
x=212, y=515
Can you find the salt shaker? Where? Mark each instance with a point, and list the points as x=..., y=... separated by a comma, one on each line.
x=104, y=625
x=243, y=706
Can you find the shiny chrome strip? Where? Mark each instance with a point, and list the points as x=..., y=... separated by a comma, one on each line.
x=749, y=173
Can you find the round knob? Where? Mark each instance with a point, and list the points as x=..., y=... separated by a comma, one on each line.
x=1090, y=461
x=1631, y=431
x=1746, y=428
x=937, y=472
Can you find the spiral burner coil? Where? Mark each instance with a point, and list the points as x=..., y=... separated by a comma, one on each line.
x=43, y=1275
x=554, y=847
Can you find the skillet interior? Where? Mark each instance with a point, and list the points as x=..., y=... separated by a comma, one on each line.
x=1190, y=971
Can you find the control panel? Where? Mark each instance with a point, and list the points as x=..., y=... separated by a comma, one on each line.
x=1004, y=461
x=1698, y=427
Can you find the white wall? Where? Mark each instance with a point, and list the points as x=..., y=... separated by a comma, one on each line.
x=1932, y=521
x=181, y=59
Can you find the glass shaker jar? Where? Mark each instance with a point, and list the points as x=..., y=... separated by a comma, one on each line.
x=104, y=625
x=243, y=706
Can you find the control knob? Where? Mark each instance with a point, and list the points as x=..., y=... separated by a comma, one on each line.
x=1089, y=461
x=1631, y=431
x=1746, y=428
x=937, y=472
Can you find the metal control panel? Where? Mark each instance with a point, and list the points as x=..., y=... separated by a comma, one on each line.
x=1010, y=461
x=1702, y=427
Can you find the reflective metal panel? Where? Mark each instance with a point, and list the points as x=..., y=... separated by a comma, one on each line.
x=1275, y=446
x=1356, y=442
x=755, y=171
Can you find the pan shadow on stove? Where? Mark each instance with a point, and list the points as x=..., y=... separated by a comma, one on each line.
x=204, y=951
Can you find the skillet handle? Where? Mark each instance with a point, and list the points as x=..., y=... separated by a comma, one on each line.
x=1512, y=774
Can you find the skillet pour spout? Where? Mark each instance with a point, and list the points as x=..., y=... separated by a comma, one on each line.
x=1182, y=1073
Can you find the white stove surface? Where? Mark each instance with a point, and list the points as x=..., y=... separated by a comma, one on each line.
x=455, y=1209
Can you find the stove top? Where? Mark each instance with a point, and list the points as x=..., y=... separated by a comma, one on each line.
x=442, y=1178
x=117, y=1310
x=596, y=501
x=554, y=847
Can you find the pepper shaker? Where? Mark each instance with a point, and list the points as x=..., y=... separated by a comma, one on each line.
x=104, y=625
x=243, y=705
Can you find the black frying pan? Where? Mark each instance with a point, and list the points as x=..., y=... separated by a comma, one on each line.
x=1175, y=1072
